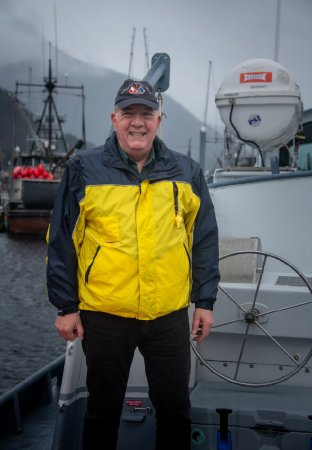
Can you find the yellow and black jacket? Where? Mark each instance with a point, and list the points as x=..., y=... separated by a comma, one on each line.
x=131, y=248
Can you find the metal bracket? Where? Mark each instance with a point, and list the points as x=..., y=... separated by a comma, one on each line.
x=159, y=74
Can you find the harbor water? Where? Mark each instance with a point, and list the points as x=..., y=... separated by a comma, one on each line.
x=28, y=338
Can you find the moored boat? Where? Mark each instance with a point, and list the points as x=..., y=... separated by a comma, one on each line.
x=30, y=206
x=37, y=169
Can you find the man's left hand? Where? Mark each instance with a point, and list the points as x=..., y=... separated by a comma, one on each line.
x=202, y=322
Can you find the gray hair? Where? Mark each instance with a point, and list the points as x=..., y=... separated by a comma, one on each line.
x=157, y=111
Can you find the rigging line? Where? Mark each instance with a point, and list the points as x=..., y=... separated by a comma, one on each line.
x=20, y=109
x=59, y=124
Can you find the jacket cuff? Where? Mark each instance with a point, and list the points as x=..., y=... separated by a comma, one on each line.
x=67, y=310
x=205, y=304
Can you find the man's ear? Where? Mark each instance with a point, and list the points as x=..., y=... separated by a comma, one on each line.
x=113, y=119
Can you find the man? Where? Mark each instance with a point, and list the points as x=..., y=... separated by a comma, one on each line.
x=133, y=238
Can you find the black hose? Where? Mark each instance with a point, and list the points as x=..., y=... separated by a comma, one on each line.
x=245, y=140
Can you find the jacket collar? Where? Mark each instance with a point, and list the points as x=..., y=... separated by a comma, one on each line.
x=164, y=165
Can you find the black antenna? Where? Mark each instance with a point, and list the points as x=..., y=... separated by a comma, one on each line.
x=56, y=44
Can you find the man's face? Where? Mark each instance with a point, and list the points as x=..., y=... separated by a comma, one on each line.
x=136, y=127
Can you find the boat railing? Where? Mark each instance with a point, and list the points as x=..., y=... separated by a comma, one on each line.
x=34, y=391
x=247, y=178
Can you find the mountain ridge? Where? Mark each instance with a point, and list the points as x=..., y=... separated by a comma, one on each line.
x=180, y=129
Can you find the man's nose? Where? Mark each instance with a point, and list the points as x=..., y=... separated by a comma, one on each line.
x=137, y=120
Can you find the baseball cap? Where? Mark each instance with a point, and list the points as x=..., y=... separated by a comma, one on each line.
x=136, y=92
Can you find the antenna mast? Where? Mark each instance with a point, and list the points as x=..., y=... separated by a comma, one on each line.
x=207, y=96
x=277, y=30
x=203, y=130
x=131, y=51
x=43, y=51
x=56, y=44
x=146, y=50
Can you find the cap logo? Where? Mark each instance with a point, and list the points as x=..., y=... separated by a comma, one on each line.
x=135, y=89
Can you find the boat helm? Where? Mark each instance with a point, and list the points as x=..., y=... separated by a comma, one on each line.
x=260, y=103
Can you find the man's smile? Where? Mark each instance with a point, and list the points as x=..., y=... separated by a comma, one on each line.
x=136, y=133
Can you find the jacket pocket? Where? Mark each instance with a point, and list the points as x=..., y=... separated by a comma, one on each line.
x=91, y=264
x=188, y=257
x=108, y=228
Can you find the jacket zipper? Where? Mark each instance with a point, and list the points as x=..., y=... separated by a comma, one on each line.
x=177, y=213
x=178, y=218
x=175, y=197
x=90, y=265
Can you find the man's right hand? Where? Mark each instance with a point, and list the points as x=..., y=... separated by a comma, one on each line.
x=69, y=326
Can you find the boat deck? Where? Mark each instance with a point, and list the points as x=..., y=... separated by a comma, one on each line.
x=28, y=411
x=37, y=432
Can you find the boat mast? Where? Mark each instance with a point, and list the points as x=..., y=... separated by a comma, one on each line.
x=207, y=95
x=146, y=50
x=131, y=51
x=277, y=30
x=203, y=130
x=52, y=134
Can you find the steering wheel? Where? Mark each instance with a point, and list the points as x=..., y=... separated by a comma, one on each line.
x=251, y=321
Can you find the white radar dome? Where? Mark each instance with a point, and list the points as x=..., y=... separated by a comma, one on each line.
x=260, y=103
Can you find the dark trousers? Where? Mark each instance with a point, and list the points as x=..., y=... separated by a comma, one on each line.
x=109, y=344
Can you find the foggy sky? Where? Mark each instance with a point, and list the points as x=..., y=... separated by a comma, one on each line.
x=192, y=32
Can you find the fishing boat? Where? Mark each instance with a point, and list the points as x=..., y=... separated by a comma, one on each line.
x=250, y=382
x=37, y=169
